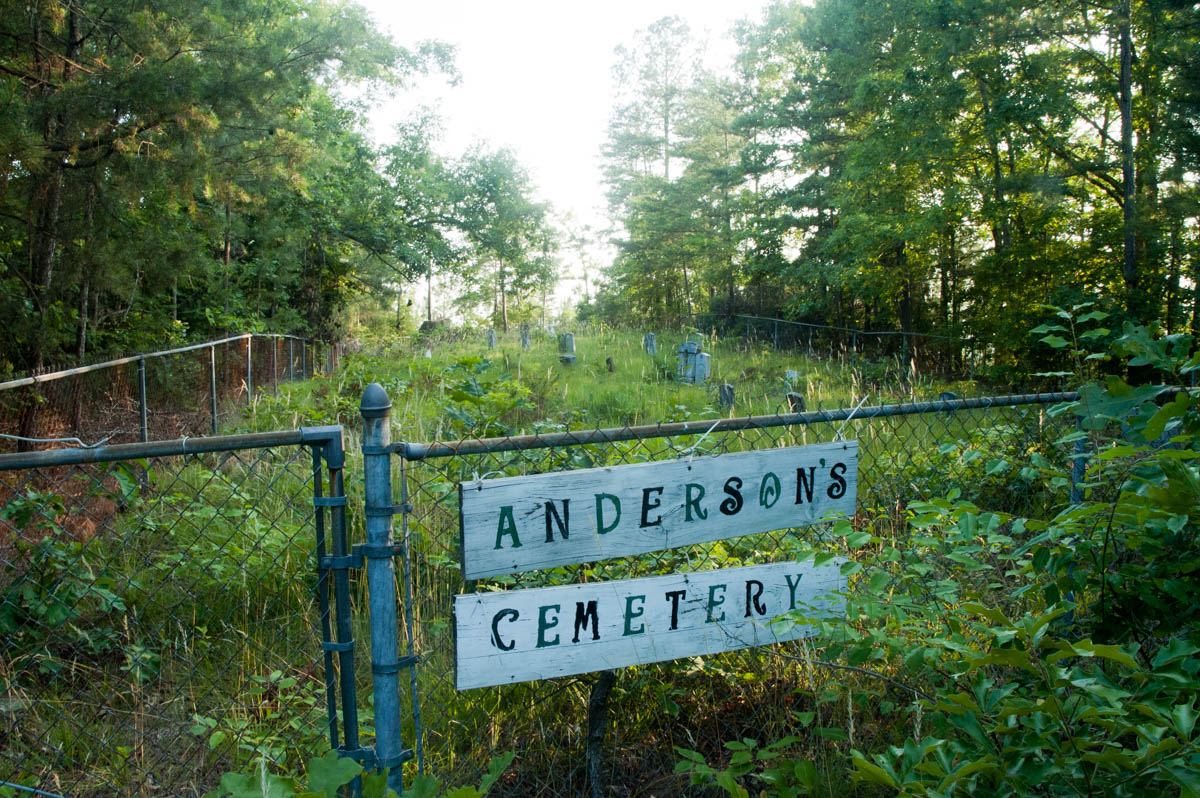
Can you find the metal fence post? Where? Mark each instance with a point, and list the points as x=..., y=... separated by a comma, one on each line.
x=249, y=368
x=1078, y=464
x=380, y=552
x=275, y=362
x=142, y=399
x=212, y=385
x=304, y=358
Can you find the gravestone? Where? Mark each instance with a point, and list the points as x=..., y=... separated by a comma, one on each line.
x=566, y=343
x=703, y=362
x=612, y=367
x=428, y=352
x=685, y=369
x=795, y=402
x=566, y=360
x=791, y=376
x=649, y=344
x=947, y=396
x=725, y=395
x=525, y=337
x=491, y=339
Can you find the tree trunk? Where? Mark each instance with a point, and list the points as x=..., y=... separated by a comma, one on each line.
x=503, y=301
x=1135, y=301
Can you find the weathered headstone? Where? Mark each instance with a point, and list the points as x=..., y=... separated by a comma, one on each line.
x=608, y=361
x=685, y=369
x=566, y=360
x=491, y=339
x=569, y=342
x=791, y=376
x=697, y=338
x=703, y=363
x=725, y=395
x=649, y=344
x=428, y=352
x=525, y=337
x=795, y=402
x=947, y=396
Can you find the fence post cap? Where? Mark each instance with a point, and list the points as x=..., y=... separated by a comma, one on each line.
x=375, y=401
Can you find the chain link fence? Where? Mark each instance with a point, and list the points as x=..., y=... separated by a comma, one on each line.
x=907, y=452
x=191, y=390
x=161, y=616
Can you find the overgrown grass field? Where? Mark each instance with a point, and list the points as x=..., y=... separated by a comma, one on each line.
x=967, y=553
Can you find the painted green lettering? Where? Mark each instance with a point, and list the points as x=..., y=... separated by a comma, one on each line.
x=693, y=493
x=769, y=490
x=510, y=529
x=544, y=625
x=600, y=527
x=792, y=587
x=630, y=615
x=714, y=602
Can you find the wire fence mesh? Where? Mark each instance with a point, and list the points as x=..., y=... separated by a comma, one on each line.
x=906, y=453
x=189, y=391
x=159, y=621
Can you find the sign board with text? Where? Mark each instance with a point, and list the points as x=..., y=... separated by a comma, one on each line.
x=517, y=524
x=520, y=635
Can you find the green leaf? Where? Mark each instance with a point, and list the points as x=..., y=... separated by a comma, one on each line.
x=327, y=774
x=1184, y=716
x=425, y=786
x=858, y=539
x=496, y=767
x=873, y=774
x=1055, y=341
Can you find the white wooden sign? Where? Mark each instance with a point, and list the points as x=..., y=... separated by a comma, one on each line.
x=527, y=523
x=520, y=635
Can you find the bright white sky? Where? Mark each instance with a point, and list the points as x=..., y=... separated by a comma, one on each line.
x=537, y=78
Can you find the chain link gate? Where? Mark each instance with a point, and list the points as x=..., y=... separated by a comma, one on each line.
x=907, y=451
x=165, y=610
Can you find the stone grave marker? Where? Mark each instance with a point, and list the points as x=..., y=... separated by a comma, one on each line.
x=491, y=339
x=725, y=395
x=795, y=402
x=685, y=369
x=649, y=344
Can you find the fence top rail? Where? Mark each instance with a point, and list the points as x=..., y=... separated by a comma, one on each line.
x=183, y=446
x=56, y=375
x=425, y=451
x=851, y=329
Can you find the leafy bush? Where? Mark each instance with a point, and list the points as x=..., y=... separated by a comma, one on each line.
x=1054, y=655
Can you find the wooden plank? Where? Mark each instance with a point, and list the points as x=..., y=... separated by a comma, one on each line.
x=520, y=635
x=526, y=523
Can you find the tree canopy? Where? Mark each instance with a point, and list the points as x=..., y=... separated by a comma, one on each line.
x=184, y=169
x=921, y=166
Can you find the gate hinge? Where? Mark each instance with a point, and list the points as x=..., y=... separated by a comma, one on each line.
x=343, y=563
x=366, y=757
x=378, y=551
x=387, y=510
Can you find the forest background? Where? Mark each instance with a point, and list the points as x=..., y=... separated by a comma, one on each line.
x=178, y=172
